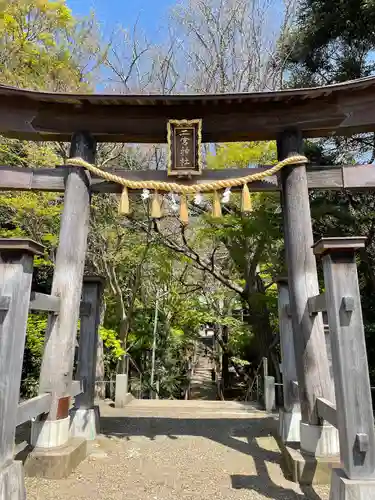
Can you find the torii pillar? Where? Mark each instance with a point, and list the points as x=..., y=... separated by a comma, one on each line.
x=309, y=342
x=290, y=414
x=51, y=435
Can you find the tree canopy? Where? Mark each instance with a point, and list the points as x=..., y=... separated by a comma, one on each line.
x=331, y=41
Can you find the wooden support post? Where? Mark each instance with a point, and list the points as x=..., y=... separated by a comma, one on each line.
x=58, y=358
x=16, y=270
x=290, y=414
x=85, y=415
x=349, y=359
x=311, y=360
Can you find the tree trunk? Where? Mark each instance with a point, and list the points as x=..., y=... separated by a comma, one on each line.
x=100, y=387
x=258, y=319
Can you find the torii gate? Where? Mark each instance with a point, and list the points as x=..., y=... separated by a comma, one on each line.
x=286, y=116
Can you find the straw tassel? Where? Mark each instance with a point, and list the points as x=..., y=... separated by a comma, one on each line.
x=247, y=204
x=124, y=206
x=216, y=206
x=156, y=206
x=184, y=212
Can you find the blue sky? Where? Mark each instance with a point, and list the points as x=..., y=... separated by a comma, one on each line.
x=150, y=13
x=150, y=16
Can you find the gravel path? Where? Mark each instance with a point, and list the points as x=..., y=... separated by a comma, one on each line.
x=181, y=454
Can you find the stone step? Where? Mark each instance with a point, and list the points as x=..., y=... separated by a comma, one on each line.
x=185, y=415
x=189, y=405
x=187, y=412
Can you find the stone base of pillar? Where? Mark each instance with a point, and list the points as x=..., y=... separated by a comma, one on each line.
x=304, y=468
x=50, y=433
x=122, y=396
x=55, y=454
x=289, y=426
x=316, y=458
x=85, y=423
x=12, y=483
x=56, y=463
x=343, y=488
x=319, y=441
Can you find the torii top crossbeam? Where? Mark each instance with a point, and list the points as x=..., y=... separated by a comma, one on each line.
x=343, y=109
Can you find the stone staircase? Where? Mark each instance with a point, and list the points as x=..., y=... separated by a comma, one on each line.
x=202, y=386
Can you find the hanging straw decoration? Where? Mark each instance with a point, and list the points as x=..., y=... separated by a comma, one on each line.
x=124, y=206
x=156, y=206
x=173, y=203
x=145, y=194
x=198, y=199
x=216, y=206
x=226, y=196
x=246, y=202
x=184, y=212
x=185, y=190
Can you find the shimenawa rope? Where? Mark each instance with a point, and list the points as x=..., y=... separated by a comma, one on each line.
x=184, y=190
x=174, y=187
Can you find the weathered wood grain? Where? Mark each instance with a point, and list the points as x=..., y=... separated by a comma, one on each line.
x=44, y=302
x=295, y=388
x=327, y=411
x=317, y=303
x=33, y=408
x=330, y=244
x=50, y=179
x=345, y=108
x=76, y=388
x=88, y=341
x=16, y=268
x=4, y=303
x=85, y=309
x=20, y=244
x=326, y=177
x=288, y=359
x=57, y=364
x=361, y=178
x=312, y=362
x=20, y=447
x=355, y=420
x=358, y=177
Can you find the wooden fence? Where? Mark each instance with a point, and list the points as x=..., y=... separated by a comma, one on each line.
x=352, y=412
x=16, y=300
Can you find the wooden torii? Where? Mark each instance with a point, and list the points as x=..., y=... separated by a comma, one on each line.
x=286, y=116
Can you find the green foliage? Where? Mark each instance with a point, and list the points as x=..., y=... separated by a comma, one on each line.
x=241, y=154
x=111, y=342
x=240, y=362
x=35, y=215
x=42, y=46
x=332, y=41
x=113, y=350
x=34, y=346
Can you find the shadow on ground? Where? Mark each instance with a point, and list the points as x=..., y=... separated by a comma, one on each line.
x=238, y=434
